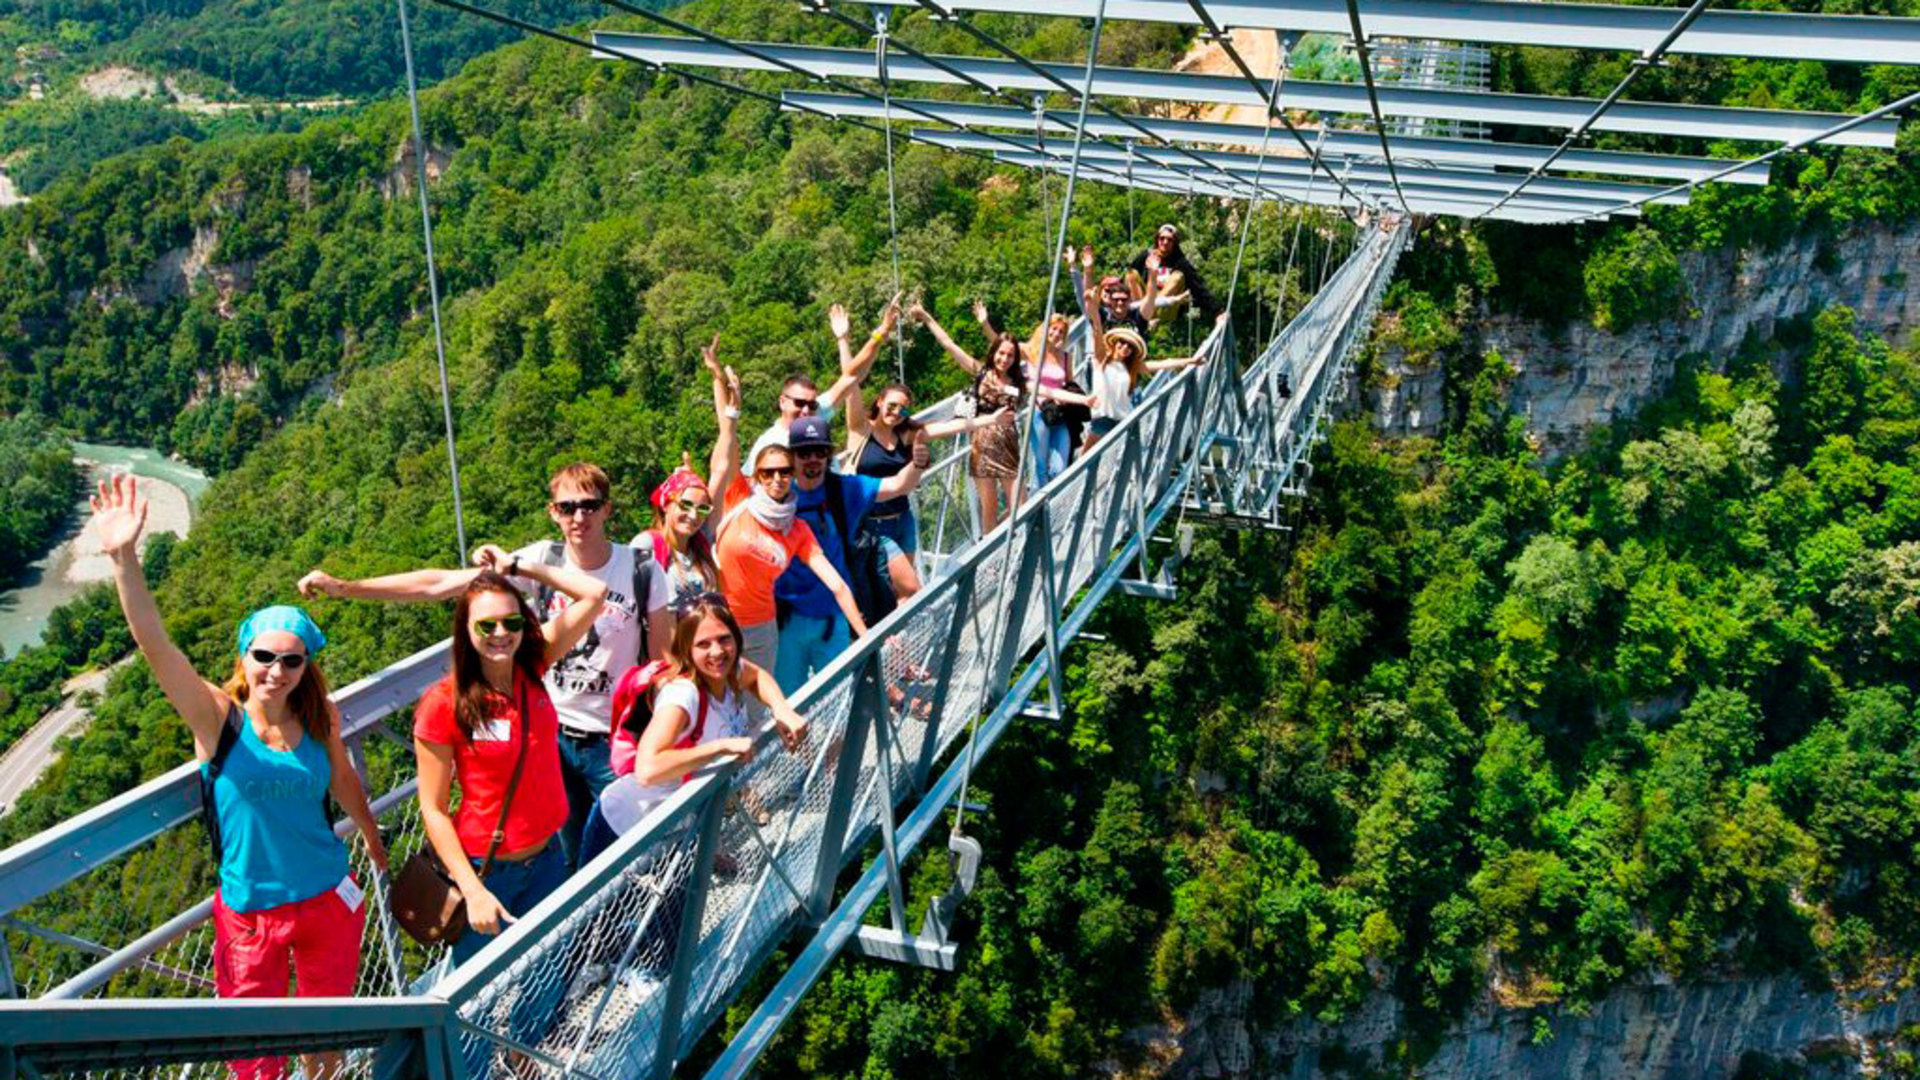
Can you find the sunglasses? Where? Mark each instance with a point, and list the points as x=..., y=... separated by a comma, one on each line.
x=804, y=404
x=687, y=604
x=688, y=506
x=510, y=624
x=291, y=661
x=570, y=507
x=775, y=472
x=813, y=453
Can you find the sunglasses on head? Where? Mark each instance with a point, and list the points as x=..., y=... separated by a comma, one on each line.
x=508, y=624
x=687, y=604
x=775, y=471
x=804, y=404
x=688, y=506
x=291, y=661
x=569, y=507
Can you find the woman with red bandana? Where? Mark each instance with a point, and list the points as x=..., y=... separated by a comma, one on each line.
x=680, y=540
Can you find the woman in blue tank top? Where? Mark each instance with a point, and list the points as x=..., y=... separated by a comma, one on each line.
x=270, y=740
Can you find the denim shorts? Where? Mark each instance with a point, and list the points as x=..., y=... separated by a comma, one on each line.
x=899, y=534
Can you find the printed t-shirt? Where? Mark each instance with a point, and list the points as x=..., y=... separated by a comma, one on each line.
x=484, y=766
x=685, y=583
x=581, y=682
x=752, y=557
x=798, y=586
x=726, y=719
x=276, y=846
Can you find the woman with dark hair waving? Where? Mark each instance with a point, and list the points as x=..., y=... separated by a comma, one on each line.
x=268, y=741
x=999, y=384
x=681, y=540
x=490, y=726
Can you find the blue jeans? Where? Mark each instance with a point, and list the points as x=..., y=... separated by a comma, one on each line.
x=808, y=644
x=586, y=768
x=1053, y=450
x=519, y=886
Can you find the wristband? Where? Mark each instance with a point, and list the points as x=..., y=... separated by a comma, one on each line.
x=513, y=566
x=877, y=335
x=730, y=413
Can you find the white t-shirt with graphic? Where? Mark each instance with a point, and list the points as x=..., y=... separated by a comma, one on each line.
x=581, y=682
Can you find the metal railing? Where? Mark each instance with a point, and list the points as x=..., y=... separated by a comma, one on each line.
x=622, y=969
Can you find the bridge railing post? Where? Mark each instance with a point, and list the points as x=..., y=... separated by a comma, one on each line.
x=673, y=1004
x=838, y=825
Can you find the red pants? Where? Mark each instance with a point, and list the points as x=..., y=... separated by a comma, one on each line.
x=255, y=953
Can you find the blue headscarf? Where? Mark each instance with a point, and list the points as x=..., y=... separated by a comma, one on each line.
x=282, y=617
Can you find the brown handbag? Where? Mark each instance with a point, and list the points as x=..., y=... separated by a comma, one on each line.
x=423, y=898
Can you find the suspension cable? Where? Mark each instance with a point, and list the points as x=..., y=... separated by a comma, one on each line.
x=1373, y=99
x=1002, y=597
x=893, y=212
x=433, y=281
x=1259, y=167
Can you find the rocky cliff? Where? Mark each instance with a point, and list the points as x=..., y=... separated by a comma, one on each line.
x=1576, y=378
x=1773, y=1026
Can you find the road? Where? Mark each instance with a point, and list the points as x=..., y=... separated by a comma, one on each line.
x=29, y=757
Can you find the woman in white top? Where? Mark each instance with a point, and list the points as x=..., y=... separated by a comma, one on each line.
x=1119, y=364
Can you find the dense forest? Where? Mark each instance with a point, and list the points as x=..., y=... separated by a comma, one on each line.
x=1478, y=725
x=38, y=483
x=285, y=49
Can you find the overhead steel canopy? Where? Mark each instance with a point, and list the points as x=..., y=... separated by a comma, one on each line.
x=1761, y=35
x=1526, y=210
x=1337, y=144
x=1251, y=167
x=1523, y=110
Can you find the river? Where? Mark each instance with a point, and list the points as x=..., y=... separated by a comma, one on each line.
x=73, y=564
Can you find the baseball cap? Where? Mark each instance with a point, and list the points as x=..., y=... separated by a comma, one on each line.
x=808, y=431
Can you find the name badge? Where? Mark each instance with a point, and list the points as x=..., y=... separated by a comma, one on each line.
x=493, y=731
x=351, y=894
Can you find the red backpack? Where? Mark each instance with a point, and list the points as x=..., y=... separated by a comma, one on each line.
x=633, y=708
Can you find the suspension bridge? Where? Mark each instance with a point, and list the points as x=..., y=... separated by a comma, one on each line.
x=797, y=848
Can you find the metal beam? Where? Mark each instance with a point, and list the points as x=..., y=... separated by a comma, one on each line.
x=1249, y=167
x=1522, y=110
x=1762, y=35
x=1447, y=202
x=1414, y=150
x=1337, y=144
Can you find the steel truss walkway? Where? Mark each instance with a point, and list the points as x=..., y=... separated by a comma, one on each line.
x=751, y=856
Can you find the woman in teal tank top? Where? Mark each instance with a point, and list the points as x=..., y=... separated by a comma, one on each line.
x=270, y=740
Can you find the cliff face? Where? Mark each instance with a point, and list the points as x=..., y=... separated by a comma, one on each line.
x=1574, y=379
x=1662, y=1031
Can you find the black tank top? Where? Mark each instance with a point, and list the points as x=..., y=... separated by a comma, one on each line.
x=877, y=460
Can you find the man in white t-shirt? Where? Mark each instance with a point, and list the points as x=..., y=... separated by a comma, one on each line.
x=631, y=628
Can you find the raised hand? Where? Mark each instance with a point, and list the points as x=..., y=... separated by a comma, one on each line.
x=918, y=314
x=733, y=387
x=119, y=513
x=710, y=356
x=1086, y=258
x=1153, y=260
x=980, y=311
x=837, y=319
x=319, y=583
x=492, y=557
x=890, y=316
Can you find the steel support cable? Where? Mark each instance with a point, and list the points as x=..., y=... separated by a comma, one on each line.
x=1259, y=166
x=1065, y=87
x=1028, y=454
x=433, y=278
x=1373, y=100
x=1647, y=59
x=1225, y=41
x=893, y=211
x=1901, y=105
x=787, y=66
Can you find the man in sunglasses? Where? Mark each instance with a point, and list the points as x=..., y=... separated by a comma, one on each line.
x=1117, y=305
x=800, y=397
x=812, y=629
x=632, y=627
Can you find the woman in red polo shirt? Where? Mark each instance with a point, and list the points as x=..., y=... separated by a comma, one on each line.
x=467, y=728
